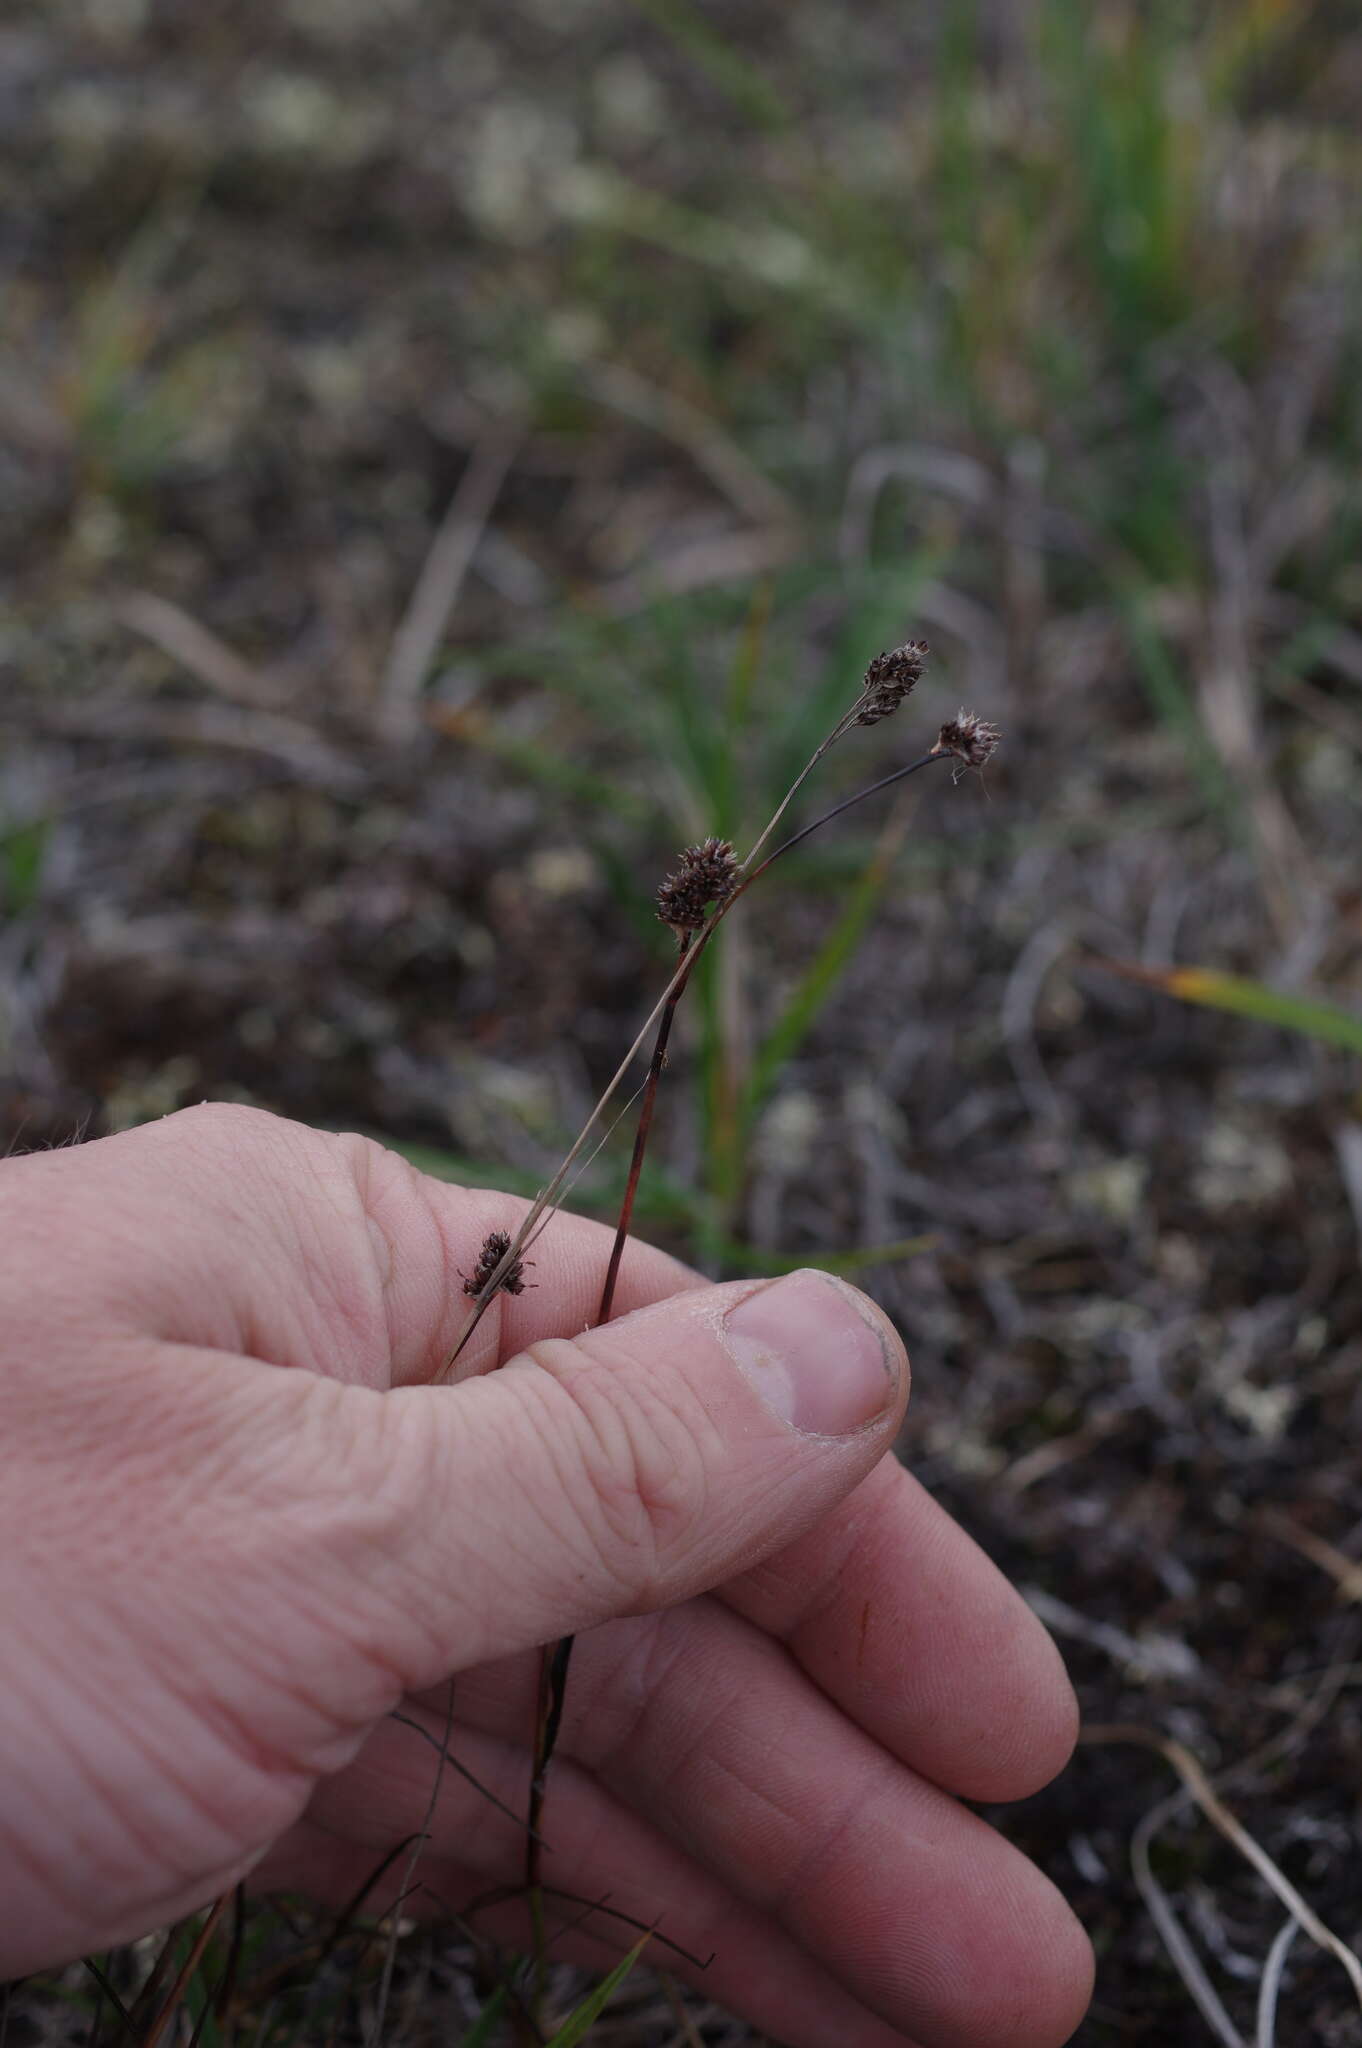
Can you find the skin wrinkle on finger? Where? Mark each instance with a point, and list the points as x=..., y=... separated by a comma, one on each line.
x=645, y=1464
x=100, y=1844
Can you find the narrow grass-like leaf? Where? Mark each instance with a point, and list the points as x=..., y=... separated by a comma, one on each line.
x=1243, y=998
x=1173, y=705
x=483, y=2027
x=753, y=1259
x=21, y=858
x=817, y=985
x=593, y=2005
x=737, y=77
x=661, y=1200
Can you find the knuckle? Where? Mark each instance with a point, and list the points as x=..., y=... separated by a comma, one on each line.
x=638, y=1472
x=235, y=1126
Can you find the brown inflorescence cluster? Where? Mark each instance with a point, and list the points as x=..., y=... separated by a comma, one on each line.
x=704, y=874
x=890, y=678
x=495, y=1246
x=970, y=738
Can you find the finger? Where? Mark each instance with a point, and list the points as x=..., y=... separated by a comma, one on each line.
x=598, y=1851
x=901, y=1619
x=704, y=1727
x=227, y=1227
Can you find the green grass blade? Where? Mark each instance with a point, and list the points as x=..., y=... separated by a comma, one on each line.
x=1176, y=709
x=21, y=858
x=661, y=1200
x=480, y=2033
x=735, y=75
x=754, y=1260
x=593, y=2005
x=1243, y=998
x=816, y=986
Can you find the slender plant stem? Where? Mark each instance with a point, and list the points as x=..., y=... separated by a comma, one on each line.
x=158, y=2025
x=553, y=1664
x=552, y=1691
x=645, y=1125
x=872, y=789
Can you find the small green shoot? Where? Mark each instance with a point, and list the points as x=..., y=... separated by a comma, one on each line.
x=574, y=2028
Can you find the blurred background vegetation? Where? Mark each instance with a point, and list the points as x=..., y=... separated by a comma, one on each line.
x=450, y=455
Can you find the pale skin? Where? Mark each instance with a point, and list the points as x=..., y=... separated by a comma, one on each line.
x=239, y=1526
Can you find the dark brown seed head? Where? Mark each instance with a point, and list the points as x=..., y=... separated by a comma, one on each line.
x=495, y=1246
x=704, y=874
x=889, y=679
x=970, y=738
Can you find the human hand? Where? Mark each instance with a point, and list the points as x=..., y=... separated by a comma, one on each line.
x=238, y=1528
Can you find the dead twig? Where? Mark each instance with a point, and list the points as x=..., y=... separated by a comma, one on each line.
x=1345, y=1571
x=198, y=650
x=437, y=587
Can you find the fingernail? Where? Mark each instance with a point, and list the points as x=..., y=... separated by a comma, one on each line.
x=814, y=1354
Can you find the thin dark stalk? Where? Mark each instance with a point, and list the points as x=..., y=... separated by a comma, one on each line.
x=676, y=989
x=106, y=1990
x=553, y=1665
x=552, y=1691
x=847, y=803
x=145, y=2001
x=450, y=1761
x=154, y=2032
x=227, y=1989
x=645, y=1125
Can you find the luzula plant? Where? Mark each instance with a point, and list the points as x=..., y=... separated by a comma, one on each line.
x=693, y=901
x=706, y=882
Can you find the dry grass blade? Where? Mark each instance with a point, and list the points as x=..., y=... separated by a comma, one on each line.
x=713, y=451
x=197, y=650
x=1265, y=2035
x=1345, y=1571
x=1200, y=1789
x=1183, y=1956
x=437, y=588
x=418, y=1843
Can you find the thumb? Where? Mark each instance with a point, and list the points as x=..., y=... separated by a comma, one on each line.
x=630, y=1467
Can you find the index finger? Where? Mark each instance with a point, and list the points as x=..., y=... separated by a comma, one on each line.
x=898, y=1616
